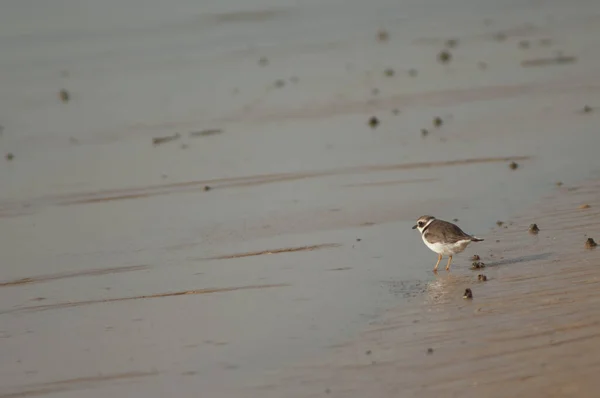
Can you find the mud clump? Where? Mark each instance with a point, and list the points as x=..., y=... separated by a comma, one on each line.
x=373, y=122
x=477, y=265
x=590, y=243
x=468, y=294
x=475, y=257
x=533, y=229
x=383, y=36
x=437, y=121
x=429, y=351
x=444, y=57
x=499, y=223
x=482, y=278
x=513, y=165
x=207, y=188
x=587, y=109
x=64, y=95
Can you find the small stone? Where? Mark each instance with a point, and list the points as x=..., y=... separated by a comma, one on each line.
x=482, y=277
x=533, y=229
x=468, y=294
x=383, y=35
x=373, y=122
x=475, y=257
x=207, y=188
x=429, y=351
x=437, y=121
x=477, y=265
x=444, y=57
x=590, y=244
x=64, y=95
x=389, y=72
x=584, y=206
x=9, y=156
x=358, y=239
x=513, y=165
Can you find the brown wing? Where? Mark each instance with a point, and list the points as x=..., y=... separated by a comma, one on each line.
x=446, y=232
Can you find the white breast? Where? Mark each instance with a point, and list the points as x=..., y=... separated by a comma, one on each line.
x=447, y=249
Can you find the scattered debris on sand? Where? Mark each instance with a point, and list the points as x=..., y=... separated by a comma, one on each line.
x=9, y=156
x=557, y=60
x=165, y=139
x=475, y=257
x=513, y=165
x=451, y=43
x=477, y=265
x=590, y=243
x=584, y=206
x=533, y=229
x=373, y=122
x=389, y=72
x=64, y=95
x=437, y=121
x=205, y=133
x=383, y=36
x=444, y=57
x=482, y=277
x=499, y=223
x=468, y=294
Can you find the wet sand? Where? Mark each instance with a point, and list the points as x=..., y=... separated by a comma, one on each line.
x=531, y=329
x=145, y=254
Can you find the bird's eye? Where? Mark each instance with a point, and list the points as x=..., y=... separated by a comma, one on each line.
x=420, y=223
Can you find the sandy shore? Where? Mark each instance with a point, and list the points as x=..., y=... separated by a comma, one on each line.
x=531, y=329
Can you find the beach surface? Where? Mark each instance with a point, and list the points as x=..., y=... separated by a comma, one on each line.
x=217, y=198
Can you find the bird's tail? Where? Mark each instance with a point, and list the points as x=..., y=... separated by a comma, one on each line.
x=474, y=239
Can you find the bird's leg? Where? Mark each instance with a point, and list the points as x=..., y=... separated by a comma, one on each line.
x=438, y=263
x=449, y=261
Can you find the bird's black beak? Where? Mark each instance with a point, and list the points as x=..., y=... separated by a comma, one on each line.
x=414, y=226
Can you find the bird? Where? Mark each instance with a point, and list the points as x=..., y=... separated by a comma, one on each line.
x=443, y=237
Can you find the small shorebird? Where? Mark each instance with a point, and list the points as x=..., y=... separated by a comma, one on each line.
x=444, y=238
